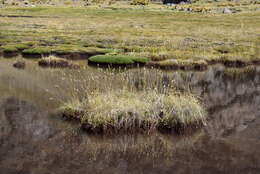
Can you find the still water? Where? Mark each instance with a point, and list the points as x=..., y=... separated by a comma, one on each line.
x=34, y=140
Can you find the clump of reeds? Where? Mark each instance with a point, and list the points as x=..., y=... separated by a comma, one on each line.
x=136, y=100
x=172, y=64
x=145, y=111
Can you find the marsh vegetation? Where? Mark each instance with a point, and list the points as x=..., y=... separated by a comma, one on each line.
x=129, y=86
x=125, y=35
x=166, y=35
x=130, y=101
x=34, y=135
x=112, y=100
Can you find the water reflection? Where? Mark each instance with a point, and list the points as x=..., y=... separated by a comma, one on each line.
x=34, y=141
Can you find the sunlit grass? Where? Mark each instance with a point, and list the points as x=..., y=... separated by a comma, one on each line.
x=117, y=59
x=133, y=100
x=153, y=33
x=147, y=110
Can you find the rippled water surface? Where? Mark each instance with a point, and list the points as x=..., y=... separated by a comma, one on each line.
x=33, y=140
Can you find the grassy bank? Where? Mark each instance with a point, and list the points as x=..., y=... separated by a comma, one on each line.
x=157, y=32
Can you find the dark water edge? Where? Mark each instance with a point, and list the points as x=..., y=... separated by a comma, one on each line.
x=33, y=141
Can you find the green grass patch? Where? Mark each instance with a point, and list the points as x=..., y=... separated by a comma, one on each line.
x=117, y=59
x=37, y=51
x=64, y=49
x=22, y=46
x=158, y=32
x=13, y=49
x=9, y=49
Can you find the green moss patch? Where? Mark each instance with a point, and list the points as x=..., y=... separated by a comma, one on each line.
x=36, y=52
x=22, y=46
x=9, y=51
x=117, y=60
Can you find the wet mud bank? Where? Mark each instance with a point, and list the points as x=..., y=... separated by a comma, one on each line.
x=37, y=53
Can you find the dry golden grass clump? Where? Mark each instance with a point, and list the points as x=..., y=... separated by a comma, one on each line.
x=142, y=100
x=171, y=64
x=146, y=111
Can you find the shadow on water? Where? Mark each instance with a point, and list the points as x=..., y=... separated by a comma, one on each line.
x=33, y=141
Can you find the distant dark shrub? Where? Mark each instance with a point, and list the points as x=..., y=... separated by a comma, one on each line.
x=140, y=2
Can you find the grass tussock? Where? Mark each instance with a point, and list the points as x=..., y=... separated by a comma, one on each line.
x=180, y=64
x=117, y=60
x=145, y=111
x=73, y=109
x=9, y=50
x=56, y=62
x=36, y=52
x=133, y=100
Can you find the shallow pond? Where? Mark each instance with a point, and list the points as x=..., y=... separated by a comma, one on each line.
x=33, y=140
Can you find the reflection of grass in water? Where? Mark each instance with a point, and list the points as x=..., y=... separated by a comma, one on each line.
x=238, y=73
x=90, y=150
x=23, y=84
x=156, y=146
x=107, y=98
